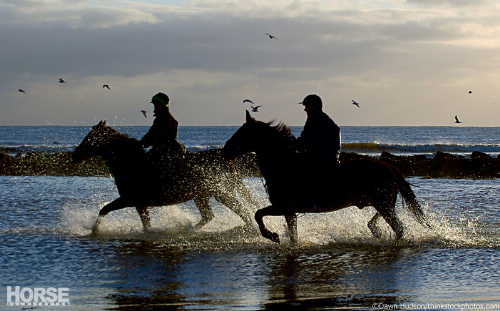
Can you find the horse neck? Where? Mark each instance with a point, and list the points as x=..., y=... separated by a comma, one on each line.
x=122, y=155
x=273, y=158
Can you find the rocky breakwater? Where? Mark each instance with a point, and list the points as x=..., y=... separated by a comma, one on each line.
x=445, y=165
x=442, y=165
x=61, y=164
x=50, y=164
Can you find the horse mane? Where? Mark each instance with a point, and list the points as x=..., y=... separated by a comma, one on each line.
x=121, y=140
x=119, y=135
x=281, y=130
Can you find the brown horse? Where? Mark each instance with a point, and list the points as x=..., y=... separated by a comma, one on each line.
x=351, y=183
x=205, y=174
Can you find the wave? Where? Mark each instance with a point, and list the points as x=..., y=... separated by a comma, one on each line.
x=375, y=147
x=197, y=148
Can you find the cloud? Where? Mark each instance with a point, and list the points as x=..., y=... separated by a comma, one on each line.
x=72, y=14
x=453, y=3
x=214, y=47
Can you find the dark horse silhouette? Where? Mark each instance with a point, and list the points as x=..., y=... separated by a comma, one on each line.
x=205, y=174
x=358, y=182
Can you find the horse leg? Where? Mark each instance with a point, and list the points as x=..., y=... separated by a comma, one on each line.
x=245, y=193
x=230, y=200
x=259, y=215
x=291, y=221
x=390, y=217
x=205, y=210
x=113, y=206
x=144, y=214
x=372, y=225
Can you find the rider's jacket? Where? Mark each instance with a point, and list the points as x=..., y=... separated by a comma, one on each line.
x=163, y=131
x=320, y=138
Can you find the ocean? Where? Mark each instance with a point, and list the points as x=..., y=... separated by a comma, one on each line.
x=372, y=140
x=45, y=240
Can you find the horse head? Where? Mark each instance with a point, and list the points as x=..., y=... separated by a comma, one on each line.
x=243, y=141
x=256, y=135
x=92, y=144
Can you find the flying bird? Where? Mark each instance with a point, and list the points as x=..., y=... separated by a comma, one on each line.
x=255, y=109
x=248, y=101
x=61, y=80
x=106, y=86
x=456, y=120
x=271, y=36
x=470, y=92
x=355, y=103
x=144, y=113
x=22, y=91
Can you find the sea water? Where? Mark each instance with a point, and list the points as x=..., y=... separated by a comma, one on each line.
x=45, y=240
x=371, y=140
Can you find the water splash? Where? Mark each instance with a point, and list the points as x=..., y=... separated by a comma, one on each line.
x=174, y=226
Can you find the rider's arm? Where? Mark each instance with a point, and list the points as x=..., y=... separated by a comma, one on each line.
x=149, y=139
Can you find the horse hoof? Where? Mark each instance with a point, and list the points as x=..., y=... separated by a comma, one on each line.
x=199, y=225
x=275, y=238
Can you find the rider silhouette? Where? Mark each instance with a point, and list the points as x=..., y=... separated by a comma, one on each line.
x=166, y=153
x=320, y=142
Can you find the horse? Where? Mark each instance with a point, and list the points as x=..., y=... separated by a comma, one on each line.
x=205, y=175
x=361, y=182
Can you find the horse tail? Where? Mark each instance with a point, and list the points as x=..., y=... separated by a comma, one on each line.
x=410, y=198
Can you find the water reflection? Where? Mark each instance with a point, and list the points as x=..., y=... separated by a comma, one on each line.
x=159, y=276
x=337, y=278
x=146, y=276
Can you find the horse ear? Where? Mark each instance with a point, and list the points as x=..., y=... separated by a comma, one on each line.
x=249, y=117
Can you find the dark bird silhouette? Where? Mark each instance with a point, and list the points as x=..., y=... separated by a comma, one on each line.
x=144, y=113
x=355, y=103
x=271, y=36
x=256, y=108
x=22, y=91
x=248, y=101
x=106, y=86
x=456, y=120
x=61, y=80
x=470, y=92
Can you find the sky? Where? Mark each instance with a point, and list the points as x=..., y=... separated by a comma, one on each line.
x=406, y=62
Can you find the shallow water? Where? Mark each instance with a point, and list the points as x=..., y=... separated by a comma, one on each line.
x=45, y=242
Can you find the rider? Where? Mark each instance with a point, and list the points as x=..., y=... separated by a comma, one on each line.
x=320, y=141
x=166, y=153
